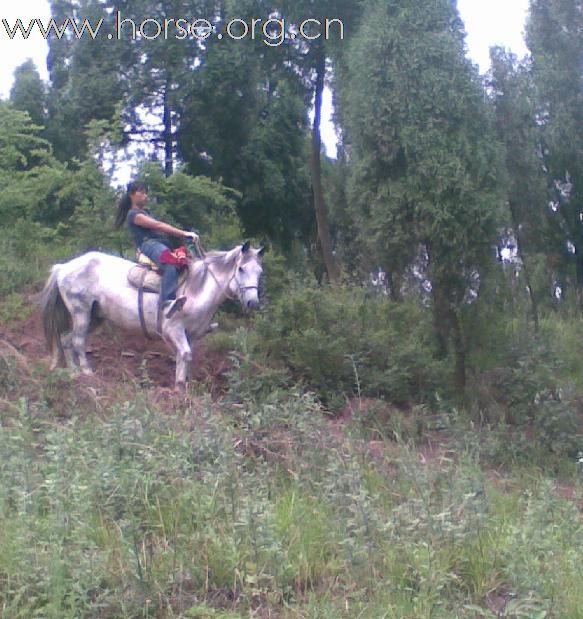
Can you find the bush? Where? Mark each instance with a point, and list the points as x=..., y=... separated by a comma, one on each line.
x=347, y=341
x=527, y=393
x=27, y=251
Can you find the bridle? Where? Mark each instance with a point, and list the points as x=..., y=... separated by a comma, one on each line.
x=225, y=287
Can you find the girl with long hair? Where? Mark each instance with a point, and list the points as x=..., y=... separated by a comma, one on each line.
x=151, y=238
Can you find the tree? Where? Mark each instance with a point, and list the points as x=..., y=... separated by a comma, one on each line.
x=423, y=155
x=86, y=76
x=316, y=51
x=555, y=39
x=194, y=203
x=229, y=109
x=24, y=156
x=32, y=180
x=514, y=96
x=28, y=92
x=243, y=121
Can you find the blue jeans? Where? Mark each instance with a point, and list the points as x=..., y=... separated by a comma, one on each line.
x=153, y=249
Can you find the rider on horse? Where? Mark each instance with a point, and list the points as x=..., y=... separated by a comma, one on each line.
x=151, y=239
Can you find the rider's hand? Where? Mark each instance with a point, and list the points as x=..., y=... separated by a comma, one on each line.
x=191, y=236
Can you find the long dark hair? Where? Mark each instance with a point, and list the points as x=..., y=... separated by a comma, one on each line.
x=125, y=202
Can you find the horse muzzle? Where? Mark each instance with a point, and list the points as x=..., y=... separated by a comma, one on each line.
x=249, y=298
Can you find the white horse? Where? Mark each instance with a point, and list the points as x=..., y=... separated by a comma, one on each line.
x=95, y=286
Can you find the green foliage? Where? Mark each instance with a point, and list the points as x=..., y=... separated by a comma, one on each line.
x=197, y=203
x=252, y=378
x=423, y=152
x=252, y=140
x=28, y=93
x=344, y=342
x=27, y=250
x=527, y=392
x=14, y=307
x=514, y=97
x=554, y=36
x=20, y=146
x=36, y=188
x=224, y=510
x=202, y=611
x=86, y=77
x=423, y=183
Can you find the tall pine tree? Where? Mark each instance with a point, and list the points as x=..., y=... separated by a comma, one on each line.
x=555, y=40
x=423, y=154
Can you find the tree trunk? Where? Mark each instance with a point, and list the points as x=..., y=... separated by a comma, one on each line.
x=579, y=271
x=168, y=138
x=459, y=350
x=394, y=285
x=318, y=194
x=525, y=267
x=448, y=329
x=441, y=324
x=446, y=325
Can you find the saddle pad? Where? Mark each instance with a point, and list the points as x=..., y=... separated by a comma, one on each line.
x=140, y=275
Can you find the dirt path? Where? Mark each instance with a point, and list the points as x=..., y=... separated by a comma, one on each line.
x=118, y=357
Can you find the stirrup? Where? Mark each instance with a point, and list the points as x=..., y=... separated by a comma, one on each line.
x=173, y=306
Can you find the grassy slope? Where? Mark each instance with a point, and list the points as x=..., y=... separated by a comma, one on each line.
x=224, y=510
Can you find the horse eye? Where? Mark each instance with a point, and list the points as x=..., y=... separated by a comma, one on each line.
x=241, y=269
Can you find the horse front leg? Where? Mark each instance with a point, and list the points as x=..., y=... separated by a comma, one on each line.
x=177, y=338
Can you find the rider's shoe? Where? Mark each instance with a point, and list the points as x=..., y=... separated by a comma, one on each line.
x=175, y=305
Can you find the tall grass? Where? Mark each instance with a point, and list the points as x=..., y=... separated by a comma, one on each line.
x=258, y=509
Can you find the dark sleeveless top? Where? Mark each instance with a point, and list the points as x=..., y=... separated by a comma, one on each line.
x=140, y=234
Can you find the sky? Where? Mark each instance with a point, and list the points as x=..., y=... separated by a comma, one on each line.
x=488, y=22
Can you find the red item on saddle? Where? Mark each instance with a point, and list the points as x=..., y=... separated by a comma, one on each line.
x=177, y=258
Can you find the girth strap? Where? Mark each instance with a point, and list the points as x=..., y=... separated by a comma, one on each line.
x=141, y=310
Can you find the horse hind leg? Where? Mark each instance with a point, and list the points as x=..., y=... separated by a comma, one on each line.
x=74, y=342
x=81, y=323
x=70, y=357
x=62, y=354
x=71, y=353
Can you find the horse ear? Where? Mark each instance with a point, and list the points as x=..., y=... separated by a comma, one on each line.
x=261, y=251
x=245, y=247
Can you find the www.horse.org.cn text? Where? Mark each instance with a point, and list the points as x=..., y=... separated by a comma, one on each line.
x=272, y=31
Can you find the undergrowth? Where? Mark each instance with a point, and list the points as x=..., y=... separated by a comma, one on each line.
x=252, y=507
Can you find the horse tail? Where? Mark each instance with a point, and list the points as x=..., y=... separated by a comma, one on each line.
x=56, y=317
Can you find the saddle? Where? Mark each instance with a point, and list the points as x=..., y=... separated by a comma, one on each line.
x=145, y=274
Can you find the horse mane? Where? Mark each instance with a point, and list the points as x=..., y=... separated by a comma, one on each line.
x=221, y=261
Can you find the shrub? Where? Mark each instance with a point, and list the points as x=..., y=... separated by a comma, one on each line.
x=346, y=341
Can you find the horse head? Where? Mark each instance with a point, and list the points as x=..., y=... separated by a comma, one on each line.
x=244, y=285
